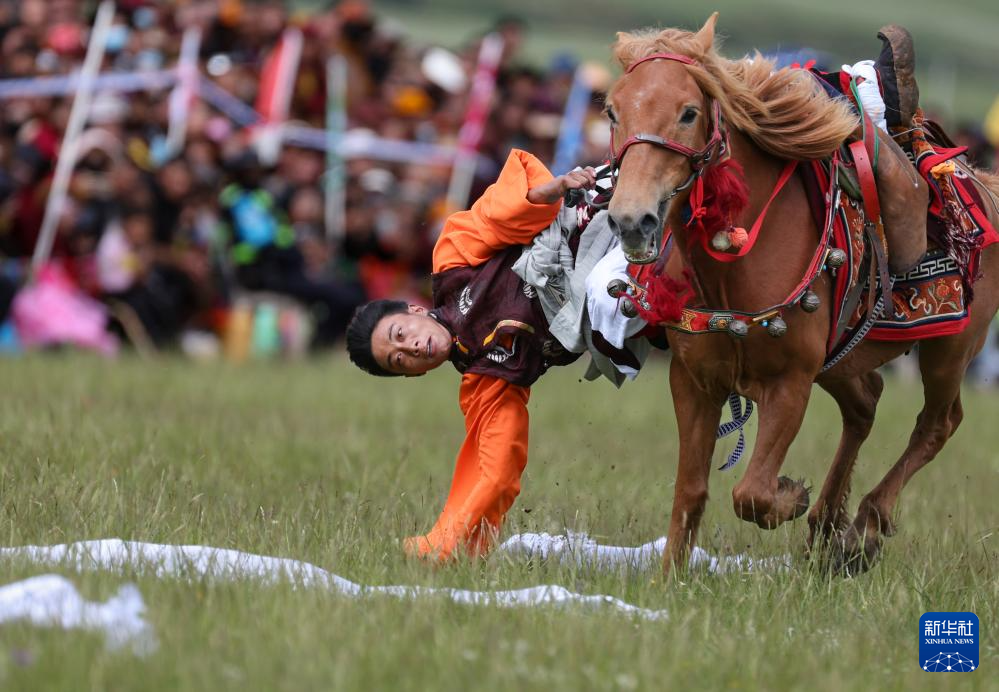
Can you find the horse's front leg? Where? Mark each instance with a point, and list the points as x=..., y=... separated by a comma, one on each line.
x=761, y=496
x=697, y=417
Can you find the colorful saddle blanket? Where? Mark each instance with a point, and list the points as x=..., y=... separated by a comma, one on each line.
x=934, y=298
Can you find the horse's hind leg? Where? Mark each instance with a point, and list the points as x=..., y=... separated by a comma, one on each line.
x=942, y=370
x=761, y=496
x=857, y=398
x=942, y=363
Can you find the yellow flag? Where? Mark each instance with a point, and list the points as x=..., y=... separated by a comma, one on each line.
x=992, y=123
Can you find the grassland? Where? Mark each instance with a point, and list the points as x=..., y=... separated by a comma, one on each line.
x=315, y=461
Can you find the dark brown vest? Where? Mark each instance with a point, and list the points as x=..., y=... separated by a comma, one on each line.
x=497, y=321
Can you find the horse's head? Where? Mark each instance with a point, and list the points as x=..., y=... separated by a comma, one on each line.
x=664, y=130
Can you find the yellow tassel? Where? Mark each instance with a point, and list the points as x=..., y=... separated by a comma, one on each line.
x=942, y=169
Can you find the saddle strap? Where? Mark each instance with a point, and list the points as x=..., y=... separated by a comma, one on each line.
x=859, y=335
x=872, y=210
x=879, y=269
x=853, y=298
x=868, y=186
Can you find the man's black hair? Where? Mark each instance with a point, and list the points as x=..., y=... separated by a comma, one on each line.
x=360, y=329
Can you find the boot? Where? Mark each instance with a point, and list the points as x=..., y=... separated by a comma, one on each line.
x=896, y=67
x=905, y=199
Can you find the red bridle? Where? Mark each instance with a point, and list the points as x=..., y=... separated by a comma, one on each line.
x=699, y=158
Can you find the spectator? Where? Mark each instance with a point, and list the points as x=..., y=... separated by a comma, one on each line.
x=169, y=237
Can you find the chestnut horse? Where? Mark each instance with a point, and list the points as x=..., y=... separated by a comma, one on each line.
x=669, y=101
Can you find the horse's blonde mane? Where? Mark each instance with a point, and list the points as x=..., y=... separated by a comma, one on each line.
x=785, y=112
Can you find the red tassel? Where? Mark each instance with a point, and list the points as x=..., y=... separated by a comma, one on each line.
x=725, y=196
x=666, y=298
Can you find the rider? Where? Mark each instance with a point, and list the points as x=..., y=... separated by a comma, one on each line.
x=489, y=324
x=496, y=331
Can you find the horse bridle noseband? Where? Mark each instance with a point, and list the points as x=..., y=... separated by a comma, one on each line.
x=714, y=150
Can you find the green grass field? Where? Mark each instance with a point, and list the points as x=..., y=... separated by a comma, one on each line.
x=317, y=462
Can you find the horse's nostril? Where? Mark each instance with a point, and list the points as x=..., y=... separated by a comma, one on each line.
x=612, y=222
x=649, y=223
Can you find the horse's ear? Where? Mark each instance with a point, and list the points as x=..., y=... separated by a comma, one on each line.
x=706, y=36
x=621, y=48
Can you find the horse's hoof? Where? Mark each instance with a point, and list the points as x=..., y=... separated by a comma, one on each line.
x=855, y=553
x=799, y=495
x=824, y=530
x=790, y=502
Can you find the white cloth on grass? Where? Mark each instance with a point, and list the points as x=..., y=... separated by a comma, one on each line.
x=118, y=556
x=50, y=600
x=583, y=551
x=198, y=561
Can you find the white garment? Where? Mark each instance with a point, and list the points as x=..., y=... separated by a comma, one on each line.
x=604, y=311
x=548, y=265
x=869, y=91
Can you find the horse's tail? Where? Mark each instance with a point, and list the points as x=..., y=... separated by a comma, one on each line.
x=990, y=180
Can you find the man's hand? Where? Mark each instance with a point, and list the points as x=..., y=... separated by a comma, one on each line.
x=555, y=189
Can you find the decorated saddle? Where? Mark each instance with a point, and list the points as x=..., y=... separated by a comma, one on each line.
x=934, y=298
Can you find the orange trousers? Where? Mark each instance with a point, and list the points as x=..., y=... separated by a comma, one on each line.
x=494, y=454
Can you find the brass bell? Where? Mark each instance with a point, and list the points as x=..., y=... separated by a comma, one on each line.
x=836, y=258
x=738, y=329
x=810, y=302
x=617, y=287
x=776, y=327
x=628, y=309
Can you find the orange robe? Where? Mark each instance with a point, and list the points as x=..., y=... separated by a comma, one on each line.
x=494, y=454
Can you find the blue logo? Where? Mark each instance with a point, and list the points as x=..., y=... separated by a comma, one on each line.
x=948, y=642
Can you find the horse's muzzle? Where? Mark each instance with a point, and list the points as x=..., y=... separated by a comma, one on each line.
x=641, y=236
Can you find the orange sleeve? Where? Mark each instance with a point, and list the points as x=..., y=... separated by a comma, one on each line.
x=488, y=469
x=500, y=218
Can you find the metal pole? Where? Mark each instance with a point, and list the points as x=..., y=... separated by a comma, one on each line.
x=70, y=143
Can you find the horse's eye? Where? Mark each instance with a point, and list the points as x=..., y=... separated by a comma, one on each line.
x=689, y=116
x=610, y=116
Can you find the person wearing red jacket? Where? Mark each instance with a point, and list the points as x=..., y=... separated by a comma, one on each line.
x=490, y=325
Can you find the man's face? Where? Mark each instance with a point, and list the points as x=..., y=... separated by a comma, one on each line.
x=410, y=343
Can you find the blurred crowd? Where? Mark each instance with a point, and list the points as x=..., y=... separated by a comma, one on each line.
x=172, y=242
x=169, y=241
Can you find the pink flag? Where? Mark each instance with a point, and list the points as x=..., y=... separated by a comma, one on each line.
x=277, y=85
